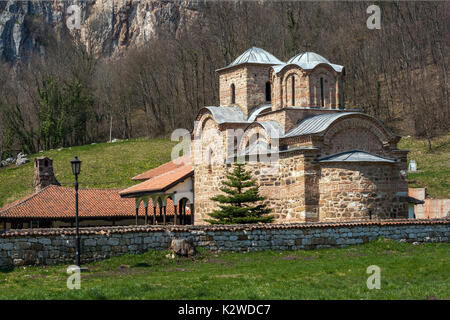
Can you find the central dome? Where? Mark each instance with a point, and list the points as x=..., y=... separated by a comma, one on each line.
x=308, y=57
x=309, y=60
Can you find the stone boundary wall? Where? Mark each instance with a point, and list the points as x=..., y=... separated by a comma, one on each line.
x=56, y=246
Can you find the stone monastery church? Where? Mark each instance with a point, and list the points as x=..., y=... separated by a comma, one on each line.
x=314, y=160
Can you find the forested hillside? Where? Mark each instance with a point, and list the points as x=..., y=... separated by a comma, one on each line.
x=73, y=87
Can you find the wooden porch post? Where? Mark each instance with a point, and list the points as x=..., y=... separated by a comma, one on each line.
x=183, y=213
x=137, y=212
x=164, y=217
x=146, y=214
x=174, y=214
x=154, y=214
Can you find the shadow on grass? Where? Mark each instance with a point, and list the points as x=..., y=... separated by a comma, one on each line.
x=142, y=265
x=7, y=269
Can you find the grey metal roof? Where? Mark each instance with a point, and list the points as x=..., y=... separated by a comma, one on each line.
x=227, y=114
x=257, y=112
x=316, y=124
x=273, y=128
x=308, y=61
x=355, y=156
x=254, y=55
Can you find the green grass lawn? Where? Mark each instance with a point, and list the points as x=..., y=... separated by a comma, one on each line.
x=111, y=165
x=105, y=165
x=407, y=272
x=434, y=166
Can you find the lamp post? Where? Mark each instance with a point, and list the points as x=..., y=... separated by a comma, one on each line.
x=76, y=167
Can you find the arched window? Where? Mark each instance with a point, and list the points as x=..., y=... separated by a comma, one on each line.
x=268, y=92
x=322, y=98
x=293, y=90
x=233, y=94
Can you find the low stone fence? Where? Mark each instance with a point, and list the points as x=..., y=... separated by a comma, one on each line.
x=55, y=246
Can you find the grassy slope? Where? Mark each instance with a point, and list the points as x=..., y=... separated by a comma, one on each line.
x=111, y=165
x=434, y=167
x=407, y=272
x=105, y=165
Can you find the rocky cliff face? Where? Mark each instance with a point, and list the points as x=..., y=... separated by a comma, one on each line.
x=107, y=26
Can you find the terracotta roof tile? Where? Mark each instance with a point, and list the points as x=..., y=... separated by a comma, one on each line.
x=169, y=166
x=161, y=182
x=59, y=202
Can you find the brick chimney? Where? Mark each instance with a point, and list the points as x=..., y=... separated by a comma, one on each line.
x=43, y=173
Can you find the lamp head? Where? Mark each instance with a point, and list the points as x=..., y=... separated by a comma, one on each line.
x=76, y=166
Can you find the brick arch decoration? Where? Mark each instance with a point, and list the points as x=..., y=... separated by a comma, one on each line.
x=357, y=132
x=251, y=130
x=329, y=88
x=201, y=119
x=202, y=144
x=277, y=90
x=300, y=78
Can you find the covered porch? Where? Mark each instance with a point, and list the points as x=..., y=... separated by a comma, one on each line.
x=154, y=207
x=175, y=185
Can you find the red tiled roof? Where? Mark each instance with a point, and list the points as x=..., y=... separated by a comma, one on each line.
x=159, y=183
x=166, y=167
x=59, y=202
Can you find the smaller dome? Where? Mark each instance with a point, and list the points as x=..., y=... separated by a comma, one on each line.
x=308, y=57
x=254, y=55
x=308, y=61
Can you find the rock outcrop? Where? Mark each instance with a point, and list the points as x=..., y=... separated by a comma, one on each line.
x=107, y=26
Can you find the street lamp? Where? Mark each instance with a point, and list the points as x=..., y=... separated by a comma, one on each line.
x=76, y=167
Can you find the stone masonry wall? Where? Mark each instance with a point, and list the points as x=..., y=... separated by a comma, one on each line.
x=238, y=77
x=250, y=86
x=283, y=183
x=358, y=191
x=299, y=189
x=56, y=246
x=258, y=76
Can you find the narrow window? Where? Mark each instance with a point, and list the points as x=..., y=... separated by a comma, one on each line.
x=321, y=92
x=293, y=91
x=268, y=92
x=233, y=94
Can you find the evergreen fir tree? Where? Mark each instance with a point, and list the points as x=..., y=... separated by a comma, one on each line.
x=238, y=204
